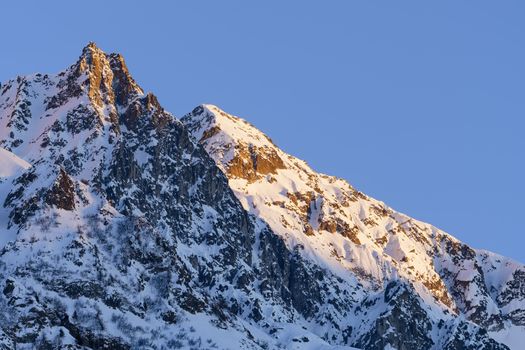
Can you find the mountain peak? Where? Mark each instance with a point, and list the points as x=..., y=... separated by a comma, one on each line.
x=96, y=90
x=240, y=149
x=207, y=120
x=91, y=57
x=109, y=78
x=91, y=47
x=344, y=230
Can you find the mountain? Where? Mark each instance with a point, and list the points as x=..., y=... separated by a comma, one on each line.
x=368, y=244
x=123, y=227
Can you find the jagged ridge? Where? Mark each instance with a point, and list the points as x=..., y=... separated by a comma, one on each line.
x=125, y=234
x=353, y=235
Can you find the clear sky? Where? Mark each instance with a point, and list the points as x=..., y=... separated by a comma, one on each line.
x=420, y=104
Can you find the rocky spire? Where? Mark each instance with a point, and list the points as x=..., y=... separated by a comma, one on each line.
x=109, y=80
x=123, y=83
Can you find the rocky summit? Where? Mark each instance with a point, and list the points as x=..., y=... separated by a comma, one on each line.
x=123, y=227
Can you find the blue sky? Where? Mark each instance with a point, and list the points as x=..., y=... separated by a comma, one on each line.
x=420, y=104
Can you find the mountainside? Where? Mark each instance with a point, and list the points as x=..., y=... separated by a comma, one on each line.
x=355, y=236
x=122, y=227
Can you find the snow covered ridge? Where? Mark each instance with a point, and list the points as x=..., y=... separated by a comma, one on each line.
x=351, y=234
x=122, y=227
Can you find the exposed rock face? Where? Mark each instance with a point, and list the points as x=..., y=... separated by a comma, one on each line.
x=108, y=78
x=62, y=194
x=513, y=293
x=246, y=160
x=402, y=314
x=463, y=337
x=127, y=233
x=252, y=163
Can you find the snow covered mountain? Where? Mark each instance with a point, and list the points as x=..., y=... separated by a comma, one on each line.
x=122, y=227
x=354, y=236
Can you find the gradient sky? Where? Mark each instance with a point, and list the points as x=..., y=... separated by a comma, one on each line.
x=420, y=104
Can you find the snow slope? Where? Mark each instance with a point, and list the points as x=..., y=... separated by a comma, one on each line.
x=353, y=235
x=10, y=164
